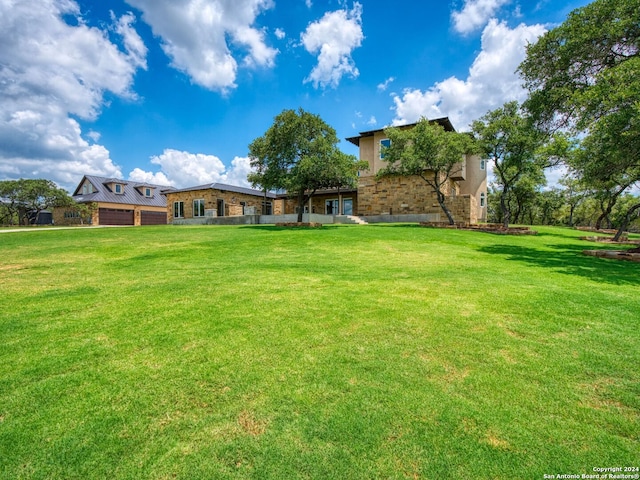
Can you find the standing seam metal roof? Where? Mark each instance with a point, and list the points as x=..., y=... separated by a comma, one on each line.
x=228, y=188
x=130, y=196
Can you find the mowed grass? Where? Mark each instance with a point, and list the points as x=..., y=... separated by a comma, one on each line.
x=355, y=352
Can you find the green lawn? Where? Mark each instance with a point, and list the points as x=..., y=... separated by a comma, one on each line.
x=345, y=352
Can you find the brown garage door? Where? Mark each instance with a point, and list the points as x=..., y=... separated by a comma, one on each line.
x=112, y=216
x=153, y=218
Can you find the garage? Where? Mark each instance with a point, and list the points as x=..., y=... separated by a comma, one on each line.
x=148, y=217
x=113, y=216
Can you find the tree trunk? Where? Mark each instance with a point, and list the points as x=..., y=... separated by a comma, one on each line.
x=300, y=206
x=571, y=209
x=443, y=205
x=625, y=222
x=506, y=213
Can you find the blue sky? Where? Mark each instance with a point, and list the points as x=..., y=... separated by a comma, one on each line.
x=173, y=91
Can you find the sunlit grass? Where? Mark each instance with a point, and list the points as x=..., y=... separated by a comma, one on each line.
x=383, y=351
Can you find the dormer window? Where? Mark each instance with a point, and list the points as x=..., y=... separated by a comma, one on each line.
x=148, y=192
x=118, y=188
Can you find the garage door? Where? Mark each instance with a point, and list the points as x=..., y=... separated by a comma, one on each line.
x=112, y=216
x=153, y=218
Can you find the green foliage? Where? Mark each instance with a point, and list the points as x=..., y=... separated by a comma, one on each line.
x=518, y=149
x=299, y=154
x=25, y=197
x=428, y=151
x=585, y=75
x=347, y=352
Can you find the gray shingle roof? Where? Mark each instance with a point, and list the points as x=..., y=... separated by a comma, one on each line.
x=132, y=192
x=227, y=188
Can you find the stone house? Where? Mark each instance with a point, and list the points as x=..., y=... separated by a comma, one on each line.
x=120, y=202
x=466, y=190
x=196, y=204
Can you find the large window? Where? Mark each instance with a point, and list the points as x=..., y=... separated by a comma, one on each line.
x=267, y=208
x=198, y=208
x=331, y=207
x=178, y=209
x=384, y=143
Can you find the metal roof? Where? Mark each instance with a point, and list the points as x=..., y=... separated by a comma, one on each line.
x=129, y=196
x=444, y=121
x=227, y=188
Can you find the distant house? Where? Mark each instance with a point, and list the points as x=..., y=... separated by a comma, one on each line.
x=466, y=191
x=196, y=204
x=119, y=202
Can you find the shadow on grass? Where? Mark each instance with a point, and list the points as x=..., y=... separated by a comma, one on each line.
x=569, y=259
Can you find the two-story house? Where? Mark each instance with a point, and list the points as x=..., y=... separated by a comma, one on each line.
x=466, y=189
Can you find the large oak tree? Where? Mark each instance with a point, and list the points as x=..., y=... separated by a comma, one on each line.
x=299, y=154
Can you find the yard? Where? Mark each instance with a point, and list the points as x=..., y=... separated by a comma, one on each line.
x=345, y=352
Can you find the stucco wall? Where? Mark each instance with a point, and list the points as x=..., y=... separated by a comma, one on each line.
x=475, y=184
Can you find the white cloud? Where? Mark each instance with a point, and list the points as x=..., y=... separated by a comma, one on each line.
x=333, y=38
x=308, y=3
x=384, y=85
x=184, y=169
x=372, y=121
x=134, y=45
x=491, y=82
x=280, y=34
x=51, y=71
x=475, y=14
x=194, y=35
x=159, y=178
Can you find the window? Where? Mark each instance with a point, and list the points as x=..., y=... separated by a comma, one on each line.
x=267, y=208
x=331, y=207
x=178, y=209
x=482, y=164
x=384, y=143
x=118, y=188
x=198, y=208
x=482, y=199
x=147, y=192
x=347, y=206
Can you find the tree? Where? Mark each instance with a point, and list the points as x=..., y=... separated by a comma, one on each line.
x=299, y=154
x=509, y=139
x=429, y=152
x=584, y=75
x=28, y=197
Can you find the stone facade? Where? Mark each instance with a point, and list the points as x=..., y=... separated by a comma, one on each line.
x=219, y=202
x=412, y=195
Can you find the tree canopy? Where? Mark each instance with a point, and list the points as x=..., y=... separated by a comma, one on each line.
x=299, y=154
x=509, y=139
x=429, y=152
x=25, y=197
x=584, y=75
